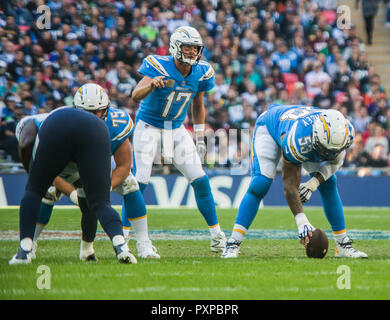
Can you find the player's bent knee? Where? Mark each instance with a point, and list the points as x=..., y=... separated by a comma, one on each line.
x=331, y=183
x=259, y=185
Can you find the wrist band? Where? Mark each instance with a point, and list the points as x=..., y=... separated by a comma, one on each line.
x=198, y=127
x=301, y=219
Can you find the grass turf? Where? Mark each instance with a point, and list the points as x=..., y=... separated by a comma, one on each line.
x=266, y=269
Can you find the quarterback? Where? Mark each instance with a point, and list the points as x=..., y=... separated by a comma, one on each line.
x=305, y=137
x=170, y=84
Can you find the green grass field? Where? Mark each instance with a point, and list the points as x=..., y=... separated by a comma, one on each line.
x=272, y=263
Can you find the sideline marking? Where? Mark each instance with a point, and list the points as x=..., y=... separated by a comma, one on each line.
x=12, y=235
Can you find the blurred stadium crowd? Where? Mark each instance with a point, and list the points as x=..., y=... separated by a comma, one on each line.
x=263, y=52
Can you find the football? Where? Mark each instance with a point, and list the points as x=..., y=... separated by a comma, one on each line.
x=318, y=245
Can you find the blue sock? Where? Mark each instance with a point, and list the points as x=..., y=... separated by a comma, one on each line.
x=249, y=205
x=205, y=200
x=332, y=204
x=125, y=221
x=45, y=213
x=134, y=205
x=142, y=186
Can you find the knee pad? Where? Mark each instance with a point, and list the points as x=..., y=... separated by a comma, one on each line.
x=259, y=185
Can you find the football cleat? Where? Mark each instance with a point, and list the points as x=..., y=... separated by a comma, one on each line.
x=232, y=249
x=146, y=250
x=34, y=249
x=344, y=249
x=87, y=256
x=218, y=243
x=21, y=257
x=123, y=254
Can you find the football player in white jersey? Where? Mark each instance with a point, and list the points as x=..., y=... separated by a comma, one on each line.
x=170, y=84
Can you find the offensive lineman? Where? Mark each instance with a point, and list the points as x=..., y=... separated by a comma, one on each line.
x=168, y=87
x=65, y=136
x=91, y=97
x=304, y=136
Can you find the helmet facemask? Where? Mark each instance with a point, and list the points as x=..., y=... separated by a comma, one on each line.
x=180, y=55
x=325, y=154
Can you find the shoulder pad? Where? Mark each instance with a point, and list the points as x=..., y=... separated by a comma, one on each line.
x=154, y=61
x=123, y=130
x=208, y=71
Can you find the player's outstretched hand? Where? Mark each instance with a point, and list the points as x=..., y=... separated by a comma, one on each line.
x=305, y=232
x=305, y=229
x=158, y=82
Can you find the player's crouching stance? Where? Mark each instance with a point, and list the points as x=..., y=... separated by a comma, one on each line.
x=168, y=87
x=120, y=128
x=70, y=135
x=308, y=137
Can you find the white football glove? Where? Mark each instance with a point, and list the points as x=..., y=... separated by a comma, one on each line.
x=307, y=188
x=129, y=185
x=304, y=226
x=52, y=196
x=201, y=147
x=74, y=198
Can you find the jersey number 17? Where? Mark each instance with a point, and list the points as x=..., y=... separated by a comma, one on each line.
x=173, y=97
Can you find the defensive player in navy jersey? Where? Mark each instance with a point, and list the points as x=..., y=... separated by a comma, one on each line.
x=306, y=137
x=120, y=128
x=70, y=135
x=170, y=84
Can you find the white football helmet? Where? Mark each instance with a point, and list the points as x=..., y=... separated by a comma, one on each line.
x=185, y=36
x=332, y=134
x=92, y=97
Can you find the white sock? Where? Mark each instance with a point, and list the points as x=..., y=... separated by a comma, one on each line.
x=126, y=232
x=26, y=244
x=338, y=237
x=86, y=246
x=118, y=240
x=239, y=232
x=140, y=228
x=215, y=230
x=38, y=230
